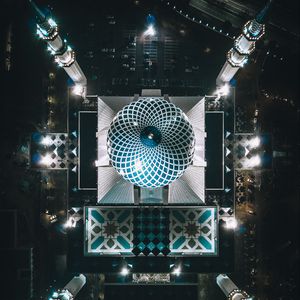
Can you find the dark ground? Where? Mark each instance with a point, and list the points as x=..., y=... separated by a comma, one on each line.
x=23, y=111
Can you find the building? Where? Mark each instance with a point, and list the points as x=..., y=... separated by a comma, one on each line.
x=151, y=176
x=129, y=214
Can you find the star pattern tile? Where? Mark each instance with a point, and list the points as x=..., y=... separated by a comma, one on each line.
x=151, y=231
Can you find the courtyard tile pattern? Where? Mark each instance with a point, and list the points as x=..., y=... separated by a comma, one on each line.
x=151, y=231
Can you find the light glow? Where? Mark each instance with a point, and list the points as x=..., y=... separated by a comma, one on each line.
x=46, y=160
x=47, y=141
x=255, y=142
x=42, y=31
x=231, y=223
x=124, y=271
x=223, y=90
x=253, y=162
x=78, y=90
x=52, y=23
x=150, y=31
x=138, y=165
x=71, y=223
x=177, y=271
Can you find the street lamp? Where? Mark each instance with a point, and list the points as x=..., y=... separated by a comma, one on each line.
x=222, y=91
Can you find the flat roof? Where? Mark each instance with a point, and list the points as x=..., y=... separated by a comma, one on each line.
x=214, y=122
x=87, y=144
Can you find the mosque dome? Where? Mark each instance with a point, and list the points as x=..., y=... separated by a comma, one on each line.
x=150, y=142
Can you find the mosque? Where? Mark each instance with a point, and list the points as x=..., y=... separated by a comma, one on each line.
x=151, y=179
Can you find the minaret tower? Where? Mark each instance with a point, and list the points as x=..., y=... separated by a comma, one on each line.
x=231, y=291
x=64, y=56
x=244, y=45
x=71, y=289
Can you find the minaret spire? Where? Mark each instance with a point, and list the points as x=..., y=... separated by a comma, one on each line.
x=261, y=17
x=38, y=13
x=64, y=56
x=231, y=291
x=244, y=45
x=71, y=289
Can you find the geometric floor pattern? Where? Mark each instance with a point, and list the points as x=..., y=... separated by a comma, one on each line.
x=109, y=231
x=193, y=230
x=50, y=147
x=151, y=231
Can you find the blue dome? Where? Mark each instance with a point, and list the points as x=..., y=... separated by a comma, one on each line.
x=150, y=142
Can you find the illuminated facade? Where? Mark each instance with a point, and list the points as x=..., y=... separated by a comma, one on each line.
x=244, y=45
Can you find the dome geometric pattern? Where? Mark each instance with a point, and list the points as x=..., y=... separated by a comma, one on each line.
x=150, y=142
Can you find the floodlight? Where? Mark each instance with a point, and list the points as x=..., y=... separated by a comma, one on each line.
x=224, y=90
x=47, y=141
x=177, y=271
x=71, y=223
x=231, y=223
x=255, y=142
x=254, y=161
x=78, y=90
x=52, y=22
x=150, y=31
x=124, y=271
x=46, y=160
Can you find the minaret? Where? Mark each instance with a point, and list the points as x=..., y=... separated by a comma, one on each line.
x=244, y=45
x=231, y=291
x=64, y=56
x=71, y=289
